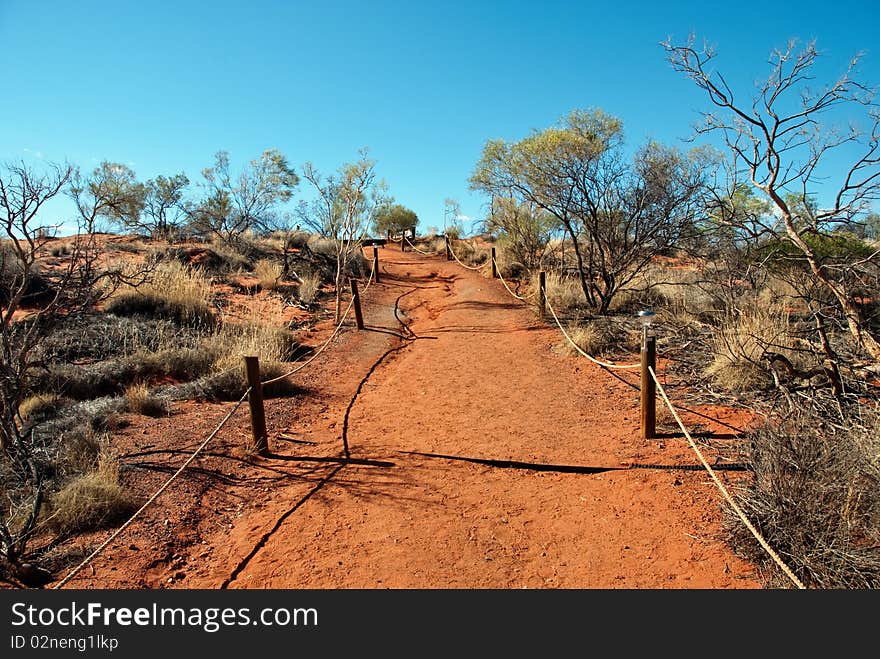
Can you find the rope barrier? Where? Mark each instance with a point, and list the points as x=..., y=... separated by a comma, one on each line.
x=723, y=489
x=149, y=501
x=578, y=348
x=455, y=256
x=372, y=275
x=319, y=351
x=416, y=248
x=498, y=271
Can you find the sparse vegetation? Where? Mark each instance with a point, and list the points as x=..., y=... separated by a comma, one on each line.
x=174, y=291
x=91, y=501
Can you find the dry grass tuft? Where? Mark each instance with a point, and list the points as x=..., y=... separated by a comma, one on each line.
x=741, y=342
x=309, y=287
x=92, y=501
x=268, y=273
x=41, y=407
x=140, y=400
x=562, y=292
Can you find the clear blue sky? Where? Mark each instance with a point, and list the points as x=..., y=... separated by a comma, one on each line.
x=163, y=85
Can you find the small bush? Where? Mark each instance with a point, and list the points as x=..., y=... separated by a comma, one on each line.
x=322, y=246
x=297, y=239
x=141, y=401
x=92, y=501
x=814, y=497
x=309, y=287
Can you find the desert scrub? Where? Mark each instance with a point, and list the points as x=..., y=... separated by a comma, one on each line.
x=814, y=496
x=92, y=501
x=741, y=343
x=173, y=291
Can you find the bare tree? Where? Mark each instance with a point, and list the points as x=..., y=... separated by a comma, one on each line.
x=779, y=144
x=32, y=300
x=346, y=207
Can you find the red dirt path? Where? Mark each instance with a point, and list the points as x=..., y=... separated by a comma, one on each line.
x=476, y=462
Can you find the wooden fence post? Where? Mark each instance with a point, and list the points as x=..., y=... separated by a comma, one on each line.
x=255, y=401
x=448, y=253
x=494, y=265
x=358, y=316
x=376, y=262
x=403, y=241
x=649, y=388
x=542, y=295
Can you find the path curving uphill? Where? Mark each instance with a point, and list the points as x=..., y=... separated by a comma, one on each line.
x=479, y=458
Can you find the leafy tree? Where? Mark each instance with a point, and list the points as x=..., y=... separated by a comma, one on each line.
x=395, y=218
x=778, y=143
x=164, y=207
x=617, y=214
x=526, y=228
x=234, y=205
x=111, y=193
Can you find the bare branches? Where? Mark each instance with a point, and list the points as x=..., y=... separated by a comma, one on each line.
x=782, y=146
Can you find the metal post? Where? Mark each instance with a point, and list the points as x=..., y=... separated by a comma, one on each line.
x=358, y=316
x=448, y=253
x=255, y=401
x=376, y=262
x=494, y=265
x=649, y=388
x=542, y=296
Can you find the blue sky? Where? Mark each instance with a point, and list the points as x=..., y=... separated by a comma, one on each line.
x=163, y=85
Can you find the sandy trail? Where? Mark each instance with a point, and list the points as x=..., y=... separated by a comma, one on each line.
x=479, y=459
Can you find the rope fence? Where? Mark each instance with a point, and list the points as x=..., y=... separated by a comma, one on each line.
x=152, y=498
x=464, y=265
x=95, y=553
x=504, y=283
x=416, y=248
x=724, y=492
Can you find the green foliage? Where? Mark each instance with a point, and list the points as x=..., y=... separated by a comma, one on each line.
x=838, y=247
x=111, y=193
x=618, y=214
x=522, y=228
x=234, y=205
x=395, y=218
